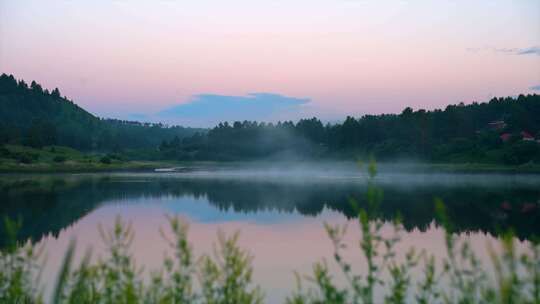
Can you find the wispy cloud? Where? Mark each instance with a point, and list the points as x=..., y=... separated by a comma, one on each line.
x=208, y=109
x=534, y=50
x=535, y=88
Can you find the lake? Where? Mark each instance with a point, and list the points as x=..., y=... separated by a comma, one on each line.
x=279, y=212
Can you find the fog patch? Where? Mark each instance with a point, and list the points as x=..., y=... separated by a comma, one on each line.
x=398, y=174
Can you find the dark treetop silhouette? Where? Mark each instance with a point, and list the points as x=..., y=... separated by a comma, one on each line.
x=502, y=131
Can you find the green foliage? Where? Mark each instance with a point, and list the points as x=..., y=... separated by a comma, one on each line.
x=65, y=159
x=25, y=157
x=109, y=158
x=225, y=278
x=521, y=152
x=18, y=265
x=462, y=278
x=59, y=159
x=4, y=152
x=106, y=160
x=457, y=134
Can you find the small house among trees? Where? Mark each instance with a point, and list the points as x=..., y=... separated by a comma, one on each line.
x=505, y=137
x=526, y=136
x=497, y=125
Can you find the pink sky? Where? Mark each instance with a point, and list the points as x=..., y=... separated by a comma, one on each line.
x=118, y=58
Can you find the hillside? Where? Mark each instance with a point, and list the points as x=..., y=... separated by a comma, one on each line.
x=502, y=131
x=33, y=116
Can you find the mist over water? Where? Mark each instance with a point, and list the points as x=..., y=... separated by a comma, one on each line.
x=396, y=173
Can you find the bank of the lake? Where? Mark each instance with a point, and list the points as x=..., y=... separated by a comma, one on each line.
x=57, y=159
x=481, y=168
x=171, y=166
x=79, y=167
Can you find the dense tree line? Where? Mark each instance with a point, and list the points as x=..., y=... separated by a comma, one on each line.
x=459, y=133
x=33, y=116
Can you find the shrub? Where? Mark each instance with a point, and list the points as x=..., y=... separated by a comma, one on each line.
x=4, y=152
x=516, y=278
x=115, y=156
x=59, y=159
x=26, y=158
x=106, y=160
x=225, y=278
x=18, y=264
x=521, y=152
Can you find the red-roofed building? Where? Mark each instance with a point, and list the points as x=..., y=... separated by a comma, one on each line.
x=526, y=136
x=505, y=137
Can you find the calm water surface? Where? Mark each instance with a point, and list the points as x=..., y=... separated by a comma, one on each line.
x=280, y=213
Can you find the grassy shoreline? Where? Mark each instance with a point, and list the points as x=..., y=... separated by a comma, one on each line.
x=486, y=168
x=55, y=159
x=150, y=166
x=81, y=167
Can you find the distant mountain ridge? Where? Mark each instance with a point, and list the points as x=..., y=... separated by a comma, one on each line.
x=36, y=117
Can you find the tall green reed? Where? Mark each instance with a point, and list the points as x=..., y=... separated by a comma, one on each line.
x=419, y=277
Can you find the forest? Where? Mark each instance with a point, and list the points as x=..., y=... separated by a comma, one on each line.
x=501, y=131
x=35, y=117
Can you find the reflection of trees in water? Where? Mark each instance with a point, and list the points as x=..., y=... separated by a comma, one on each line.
x=470, y=208
x=50, y=204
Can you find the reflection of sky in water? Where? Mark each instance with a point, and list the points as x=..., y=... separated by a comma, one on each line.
x=200, y=210
x=280, y=242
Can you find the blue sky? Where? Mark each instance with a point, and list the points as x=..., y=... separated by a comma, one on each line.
x=211, y=109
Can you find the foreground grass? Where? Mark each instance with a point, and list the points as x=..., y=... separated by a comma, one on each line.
x=226, y=276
